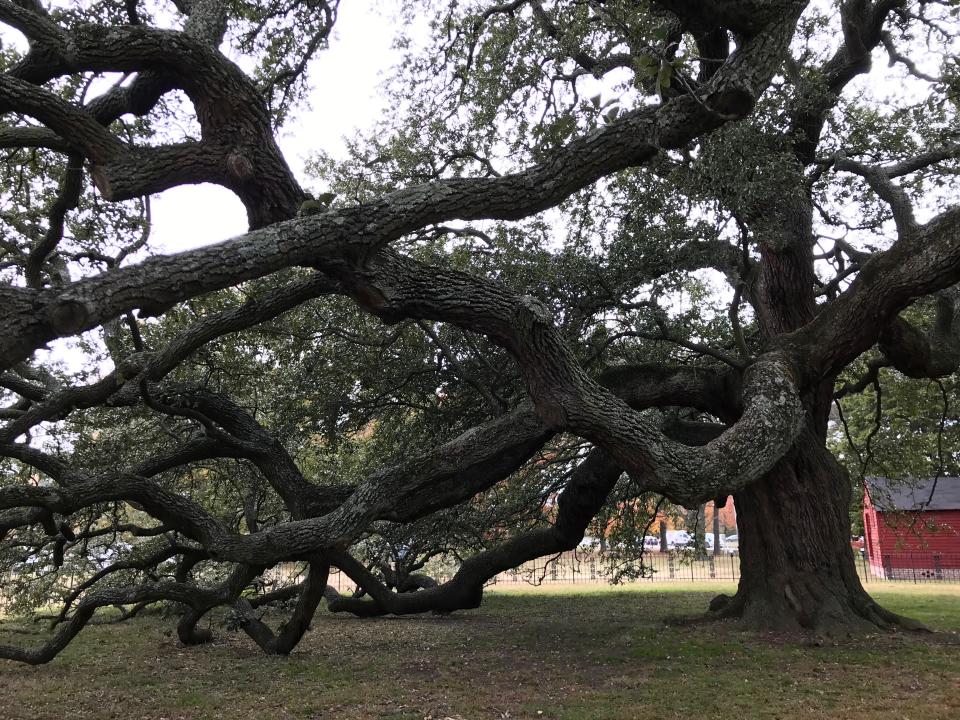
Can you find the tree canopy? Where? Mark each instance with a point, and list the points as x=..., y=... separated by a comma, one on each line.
x=602, y=253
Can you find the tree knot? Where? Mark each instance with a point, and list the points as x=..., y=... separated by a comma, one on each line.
x=732, y=102
x=239, y=166
x=68, y=316
x=537, y=307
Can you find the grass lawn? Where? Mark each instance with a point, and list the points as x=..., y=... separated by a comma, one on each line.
x=569, y=652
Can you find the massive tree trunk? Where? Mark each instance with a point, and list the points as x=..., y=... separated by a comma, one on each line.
x=797, y=569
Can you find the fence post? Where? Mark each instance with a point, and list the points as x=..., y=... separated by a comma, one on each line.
x=713, y=568
x=937, y=567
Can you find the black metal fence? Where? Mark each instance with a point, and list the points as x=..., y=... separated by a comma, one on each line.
x=595, y=567
x=919, y=566
x=602, y=567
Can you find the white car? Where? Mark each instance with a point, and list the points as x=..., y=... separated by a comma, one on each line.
x=731, y=545
x=708, y=542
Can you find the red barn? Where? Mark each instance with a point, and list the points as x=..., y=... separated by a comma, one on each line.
x=913, y=531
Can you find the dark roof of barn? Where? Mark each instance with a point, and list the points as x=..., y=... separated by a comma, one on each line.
x=907, y=495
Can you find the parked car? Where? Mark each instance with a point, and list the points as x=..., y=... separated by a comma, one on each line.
x=651, y=542
x=678, y=539
x=731, y=545
x=708, y=542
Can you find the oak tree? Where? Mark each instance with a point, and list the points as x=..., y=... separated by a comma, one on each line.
x=490, y=325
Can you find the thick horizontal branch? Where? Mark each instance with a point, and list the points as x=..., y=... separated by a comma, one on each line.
x=66, y=120
x=450, y=474
x=22, y=387
x=568, y=399
x=454, y=472
x=32, y=137
x=710, y=389
x=582, y=498
x=32, y=319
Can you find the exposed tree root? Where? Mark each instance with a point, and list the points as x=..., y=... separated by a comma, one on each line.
x=808, y=604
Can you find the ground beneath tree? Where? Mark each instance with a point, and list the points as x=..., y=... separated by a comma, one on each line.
x=610, y=654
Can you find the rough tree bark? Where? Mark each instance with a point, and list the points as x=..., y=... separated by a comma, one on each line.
x=797, y=569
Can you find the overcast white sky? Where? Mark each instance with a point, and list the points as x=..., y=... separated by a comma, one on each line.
x=345, y=79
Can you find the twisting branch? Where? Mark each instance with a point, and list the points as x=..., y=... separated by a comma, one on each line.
x=395, y=287
x=897, y=57
x=585, y=493
x=32, y=319
x=757, y=398
x=891, y=193
x=311, y=592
